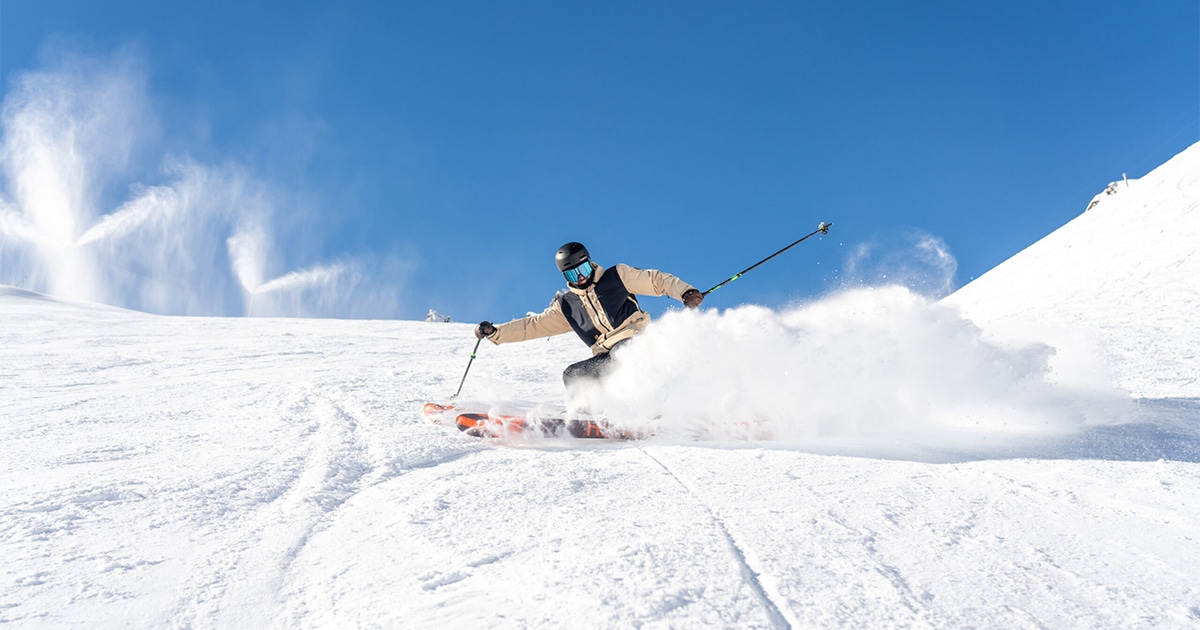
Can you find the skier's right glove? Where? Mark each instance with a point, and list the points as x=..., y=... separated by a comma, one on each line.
x=484, y=329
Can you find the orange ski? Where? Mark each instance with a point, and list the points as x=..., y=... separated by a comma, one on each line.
x=487, y=425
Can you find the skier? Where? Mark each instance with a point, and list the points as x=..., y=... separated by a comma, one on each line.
x=600, y=307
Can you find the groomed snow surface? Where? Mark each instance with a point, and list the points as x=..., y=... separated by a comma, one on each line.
x=867, y=460
x=1024, y=454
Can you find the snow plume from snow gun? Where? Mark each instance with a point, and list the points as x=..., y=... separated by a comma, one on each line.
x=304, y=293
x=871, y=369
x=79, y=218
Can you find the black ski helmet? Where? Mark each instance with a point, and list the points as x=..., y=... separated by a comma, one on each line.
x=570, y=256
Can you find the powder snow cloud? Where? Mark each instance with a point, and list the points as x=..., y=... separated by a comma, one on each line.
x=912, y=258
x=873, y=367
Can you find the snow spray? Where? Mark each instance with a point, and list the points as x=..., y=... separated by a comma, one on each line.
x=865, y=366
x=94, y=210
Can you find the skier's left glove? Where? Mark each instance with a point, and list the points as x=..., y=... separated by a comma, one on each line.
x=484, y=329
x=692, y=298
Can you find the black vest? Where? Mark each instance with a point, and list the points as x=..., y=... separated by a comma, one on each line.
x=615, y=301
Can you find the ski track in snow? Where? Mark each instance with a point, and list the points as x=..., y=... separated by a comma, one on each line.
x=176, y=472
x=762, y=584
x=239, y=476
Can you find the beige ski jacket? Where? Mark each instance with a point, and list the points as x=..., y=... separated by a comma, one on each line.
x=603, y=314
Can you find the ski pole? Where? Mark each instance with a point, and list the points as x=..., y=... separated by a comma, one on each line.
x=464, y=378
x=823, y=228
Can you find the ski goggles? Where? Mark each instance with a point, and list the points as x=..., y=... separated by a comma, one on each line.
x=579, y=272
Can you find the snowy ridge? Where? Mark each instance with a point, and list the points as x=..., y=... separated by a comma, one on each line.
x=1124, y=276
x=185, y=472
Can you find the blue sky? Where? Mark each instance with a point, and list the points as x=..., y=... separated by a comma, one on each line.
x=445, y=150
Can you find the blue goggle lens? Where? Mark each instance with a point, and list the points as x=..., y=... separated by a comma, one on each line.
x=579, y=272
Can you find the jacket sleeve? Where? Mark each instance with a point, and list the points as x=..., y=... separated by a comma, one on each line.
x=652, y=282
x=548, y=323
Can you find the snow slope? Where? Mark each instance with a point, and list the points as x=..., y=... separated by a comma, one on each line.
x=1124, y=276
x=191, y=472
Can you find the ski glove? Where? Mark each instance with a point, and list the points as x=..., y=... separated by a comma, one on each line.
x=484, y=329
x=692, y=298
